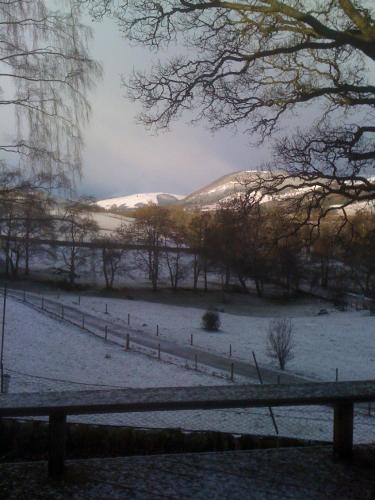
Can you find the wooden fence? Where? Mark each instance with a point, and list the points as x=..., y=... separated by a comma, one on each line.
x=341, y=395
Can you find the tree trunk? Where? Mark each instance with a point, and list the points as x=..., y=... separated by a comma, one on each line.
x=205, y=275
x=227, y=278
x=259, y=287
x=72, y=267
x=196, y=272
x=243, y=283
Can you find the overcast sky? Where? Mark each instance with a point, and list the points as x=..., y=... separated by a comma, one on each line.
x=121, y=157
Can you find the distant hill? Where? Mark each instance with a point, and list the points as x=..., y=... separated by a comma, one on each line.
x=139, y=200
x=226, y=187
x=206, y=198
x=221, y=189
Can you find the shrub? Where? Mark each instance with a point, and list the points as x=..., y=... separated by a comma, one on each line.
x=280, y=342
x=211, y=321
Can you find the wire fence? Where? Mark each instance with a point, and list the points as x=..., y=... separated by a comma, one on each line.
x=125, y=336
x=129, y=339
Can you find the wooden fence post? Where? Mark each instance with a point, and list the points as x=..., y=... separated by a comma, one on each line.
x=56, y=445
x=127, y=345
x=157, y=330
x=261, y=382
x=128, y=318
x=105, y=332
x=159, y=351
x=230, y=350
x=343, y=429
x=106, y=308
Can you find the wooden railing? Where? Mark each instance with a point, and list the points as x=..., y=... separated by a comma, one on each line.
x=57, y=405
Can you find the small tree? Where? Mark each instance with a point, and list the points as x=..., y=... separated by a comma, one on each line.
x=77, y=227
x=211, y=321
x=280, y=341
x=149, y=228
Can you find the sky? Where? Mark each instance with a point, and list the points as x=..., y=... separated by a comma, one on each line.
x=121, y=157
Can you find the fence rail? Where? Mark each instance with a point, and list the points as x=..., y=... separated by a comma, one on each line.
x=58, y=405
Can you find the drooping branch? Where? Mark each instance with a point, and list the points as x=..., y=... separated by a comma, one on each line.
x=44, y=54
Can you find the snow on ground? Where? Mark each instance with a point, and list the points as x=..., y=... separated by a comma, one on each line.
x=38, y=345
x=136, y=200
x=109, y=222
x=44, y=354
x=343, y=340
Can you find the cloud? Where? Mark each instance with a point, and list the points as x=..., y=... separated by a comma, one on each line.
x=123, y=158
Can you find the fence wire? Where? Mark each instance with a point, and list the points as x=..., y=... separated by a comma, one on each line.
x=300, y=422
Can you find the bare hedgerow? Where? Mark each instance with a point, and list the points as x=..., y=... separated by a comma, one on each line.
x=280, y=341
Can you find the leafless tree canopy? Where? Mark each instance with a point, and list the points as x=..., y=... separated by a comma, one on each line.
x=45, y=74
x=254, y=64
x=280, y=342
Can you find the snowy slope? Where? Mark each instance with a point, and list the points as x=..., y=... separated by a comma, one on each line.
x=139, y=200
x=108, y=223
x=342, y=340
x=53, y=355
x=230, y=186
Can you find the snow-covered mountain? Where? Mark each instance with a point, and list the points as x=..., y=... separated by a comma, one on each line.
x=206, y=198
x=134, y=201
x=223, y=189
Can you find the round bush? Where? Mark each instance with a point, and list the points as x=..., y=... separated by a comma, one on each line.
x=211, y=321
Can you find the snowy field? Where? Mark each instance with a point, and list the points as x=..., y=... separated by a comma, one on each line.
x=44, y=354
x=138, y=200
x=342, y=340
x=108, y=222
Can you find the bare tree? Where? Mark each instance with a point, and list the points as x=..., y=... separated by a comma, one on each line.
x=77, y=227
x=111, y=262
x=197, y=239
x=45, y=74
x=255, y=64
x=280, y=341
x=175, y=233
x=150, y=227
x=114, y=254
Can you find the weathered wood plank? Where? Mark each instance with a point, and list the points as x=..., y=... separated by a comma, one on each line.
x=185, y=398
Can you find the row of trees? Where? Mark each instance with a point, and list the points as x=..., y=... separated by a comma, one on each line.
x=244, y=244
x=255, y=245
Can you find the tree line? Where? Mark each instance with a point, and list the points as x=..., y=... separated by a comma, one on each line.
x=245, y=245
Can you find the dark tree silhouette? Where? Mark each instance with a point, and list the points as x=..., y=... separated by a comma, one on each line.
x=255, y=64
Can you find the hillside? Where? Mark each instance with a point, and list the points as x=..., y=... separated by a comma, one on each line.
x=139, y=200
x=218, y=190
x=210, y=196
